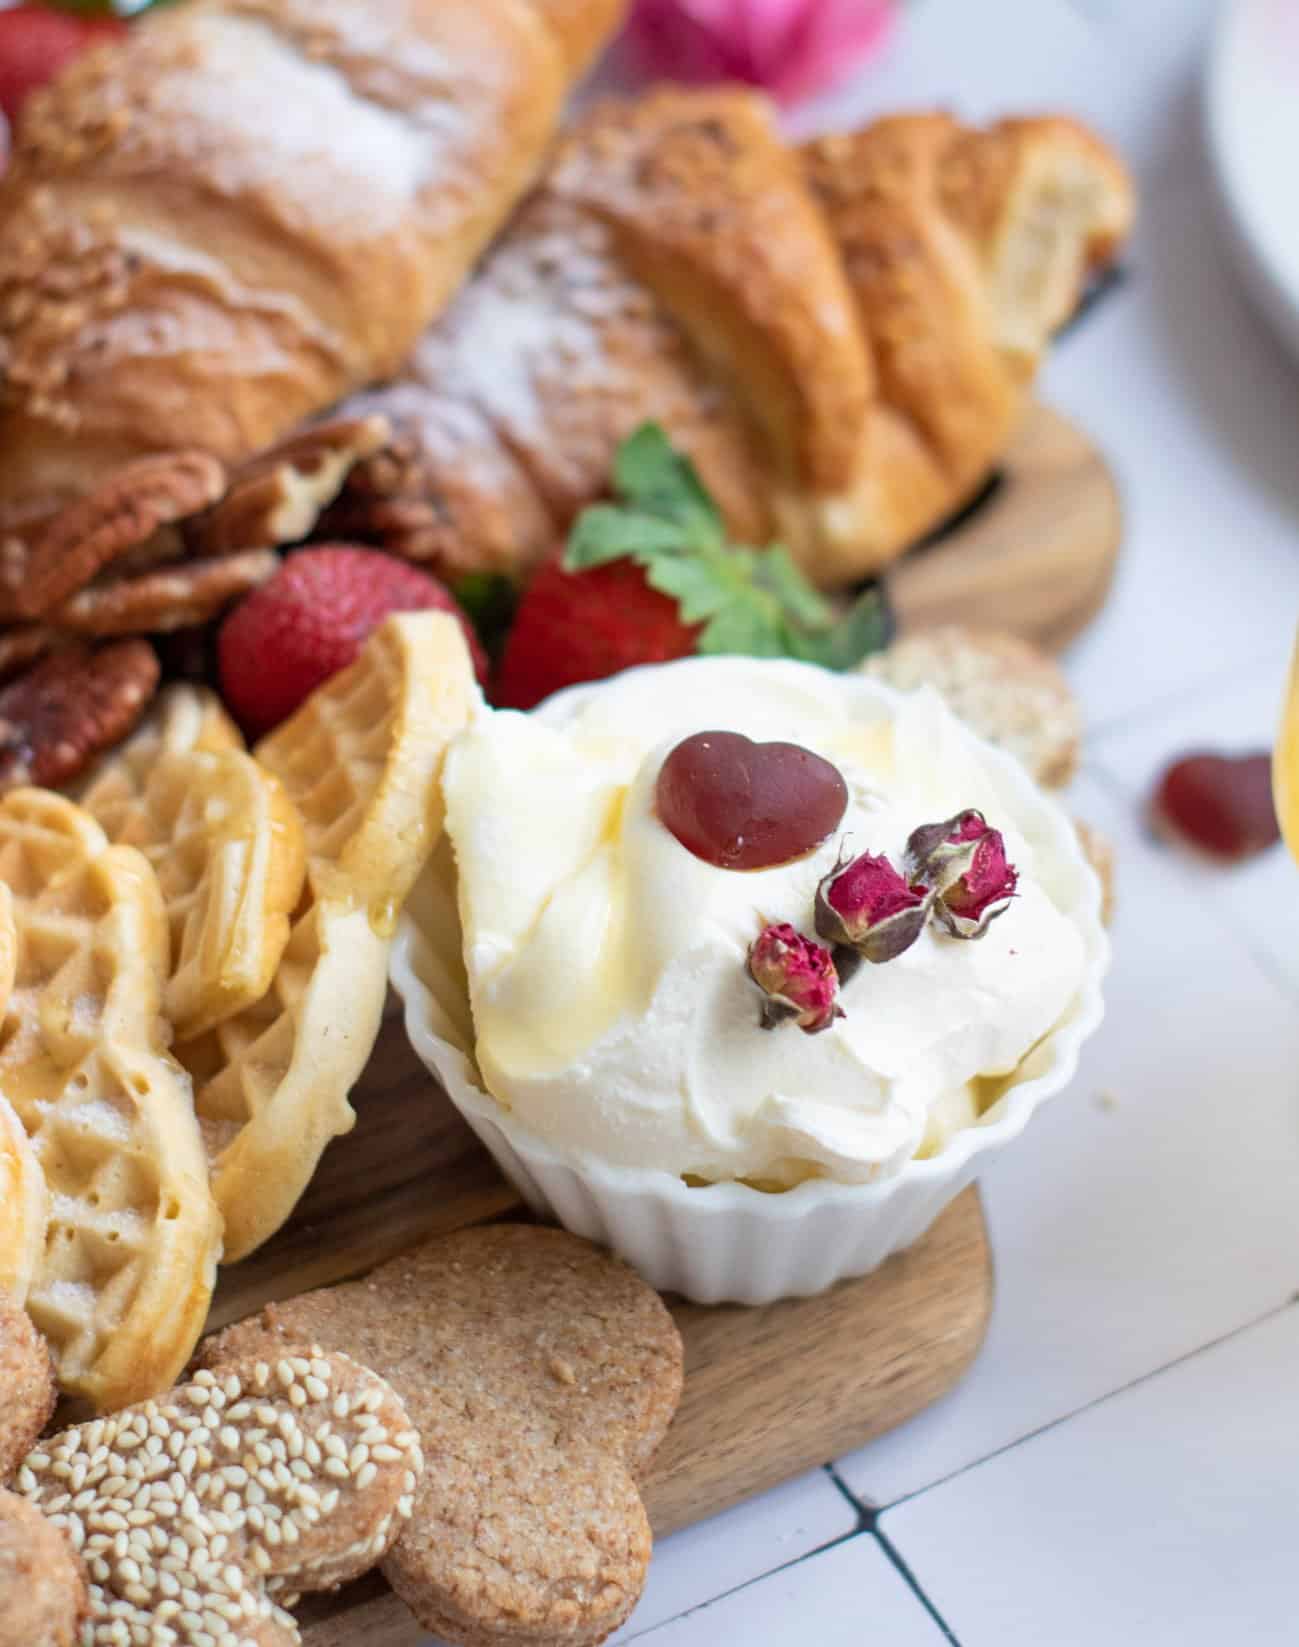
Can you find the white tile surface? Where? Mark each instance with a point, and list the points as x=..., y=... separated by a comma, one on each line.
x=1167, y=1515
x=731, y=1549
x=981, y=61
x=844, y=1597
x=1195, y=407
x=1153, y=1207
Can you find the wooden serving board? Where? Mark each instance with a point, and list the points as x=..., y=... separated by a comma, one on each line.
x=769, y=1392
x=1035, y=553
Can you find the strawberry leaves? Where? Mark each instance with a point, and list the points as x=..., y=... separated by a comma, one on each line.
x=750, y=601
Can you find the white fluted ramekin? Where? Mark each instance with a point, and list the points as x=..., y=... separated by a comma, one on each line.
x=728, y=1242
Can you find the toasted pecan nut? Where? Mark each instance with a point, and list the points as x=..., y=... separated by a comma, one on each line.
x=413, y=529
x=172, y=597
x=119, y=516
x=71, y=706
x=21, y=647
x=278, y=497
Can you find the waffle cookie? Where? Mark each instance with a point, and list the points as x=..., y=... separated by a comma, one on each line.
x=183, y=718
x=23, y=1202
x=122, y=1288
x=360, y=761
x=227, y=847
x=24, y=1207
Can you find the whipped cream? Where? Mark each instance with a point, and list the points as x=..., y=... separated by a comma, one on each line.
x=613, y=1012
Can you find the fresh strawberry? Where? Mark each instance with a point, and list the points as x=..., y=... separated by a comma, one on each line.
x=35, y=43
x=651, y=577
x=310, y=620
x=582, y=626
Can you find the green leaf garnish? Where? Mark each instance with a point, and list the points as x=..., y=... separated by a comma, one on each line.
x=750, y=601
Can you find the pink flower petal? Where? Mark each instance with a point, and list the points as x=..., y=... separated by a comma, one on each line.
x=792, y=48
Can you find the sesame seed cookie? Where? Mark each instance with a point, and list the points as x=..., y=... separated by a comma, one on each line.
x=542, y=1375
x=201, y=1516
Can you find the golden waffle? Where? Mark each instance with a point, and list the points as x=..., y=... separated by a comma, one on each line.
x=122, y=1287
x=23, y=1201
x=228, y=850
x=361, y=761
x=183, y=718
x=23, y=1205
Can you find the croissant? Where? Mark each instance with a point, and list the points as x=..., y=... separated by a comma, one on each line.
x=250, y=209
x=841, y=335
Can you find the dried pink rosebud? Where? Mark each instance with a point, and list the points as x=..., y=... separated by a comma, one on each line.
x=967, y=905
x=933, y=845
x=964, y=863
x=869, y=906
x=797, y=977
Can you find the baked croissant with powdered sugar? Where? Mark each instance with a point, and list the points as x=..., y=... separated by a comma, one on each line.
x=249, y=209
x=841, y=335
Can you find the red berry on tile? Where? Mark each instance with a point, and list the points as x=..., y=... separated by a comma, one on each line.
x=1220, y=804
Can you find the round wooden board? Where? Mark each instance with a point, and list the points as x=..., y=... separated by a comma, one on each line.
x=1036, y=557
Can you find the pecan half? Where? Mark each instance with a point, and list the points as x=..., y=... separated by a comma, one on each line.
x=119, y=516
x=278, y=496
x=172, y=597
x=74, y=704
x=21, y=647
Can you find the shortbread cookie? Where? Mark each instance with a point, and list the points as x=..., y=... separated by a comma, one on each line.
x=361, y=761
x=542, y=1375
x=26, y=1386
x=1007, y=691
x=201, y=1516
x=43, y=1592
x=123, y=1283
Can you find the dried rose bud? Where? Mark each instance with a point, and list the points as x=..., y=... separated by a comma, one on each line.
x=798, y=978
x=868, y=906
x=964, y=862
x=933, y=846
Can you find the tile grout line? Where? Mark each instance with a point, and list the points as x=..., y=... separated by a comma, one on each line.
x=860, y=1530
x=876, y=1512
x=869, y=1520
x=904, y=1572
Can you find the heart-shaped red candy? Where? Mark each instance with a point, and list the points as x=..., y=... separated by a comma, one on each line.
x=1221, y=804
x=745, y=805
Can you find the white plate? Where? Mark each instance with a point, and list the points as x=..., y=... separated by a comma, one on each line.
x=1252, y=126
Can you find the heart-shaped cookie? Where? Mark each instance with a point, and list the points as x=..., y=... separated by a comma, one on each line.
x=542, y=1375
